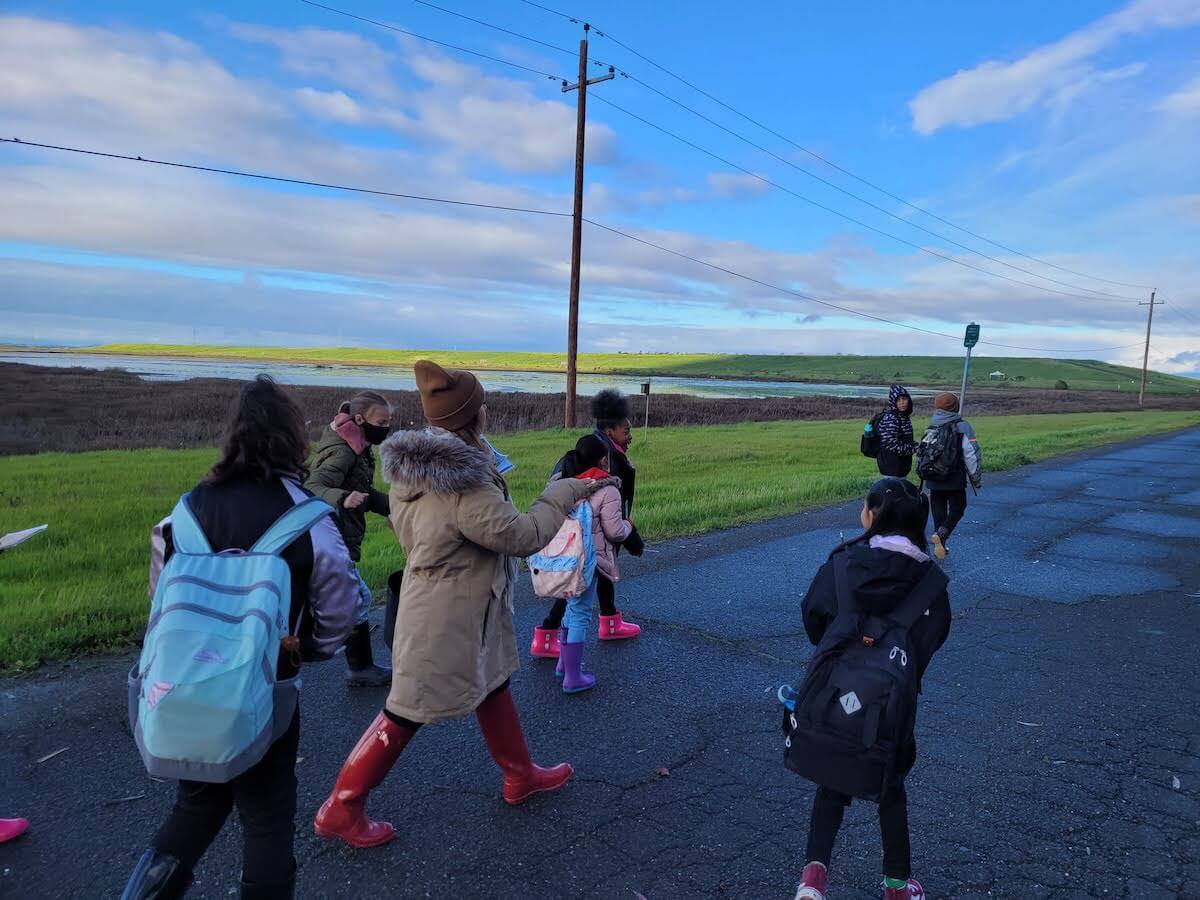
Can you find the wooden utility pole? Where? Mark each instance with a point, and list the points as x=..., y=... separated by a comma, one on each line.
x=1146, y=358
x=577, y=220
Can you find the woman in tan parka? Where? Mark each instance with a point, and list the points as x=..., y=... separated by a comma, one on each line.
x=455, y=648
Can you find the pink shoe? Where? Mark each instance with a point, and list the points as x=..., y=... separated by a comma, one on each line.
x=911, y=891
x=545, y=643
x=614, y=628
x=12, y=828
x=813, y=883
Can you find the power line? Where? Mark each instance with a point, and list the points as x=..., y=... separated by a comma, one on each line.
x=822, y=159
x=542, y=212
x=284, y=180
x=846, y=309
x=1076, y=289
x=849, y=218
x=413, y=34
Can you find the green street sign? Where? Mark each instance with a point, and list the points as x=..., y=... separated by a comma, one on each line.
x=971, y=338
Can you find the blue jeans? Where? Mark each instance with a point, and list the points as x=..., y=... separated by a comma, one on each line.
x=578, y=618
x=364, y=600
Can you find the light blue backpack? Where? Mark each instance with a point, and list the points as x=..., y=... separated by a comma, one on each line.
x=204, y=703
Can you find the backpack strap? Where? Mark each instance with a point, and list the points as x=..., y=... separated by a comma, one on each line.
x=928, y=589
x=841, y=582
x=293, y=523
x=186, y=533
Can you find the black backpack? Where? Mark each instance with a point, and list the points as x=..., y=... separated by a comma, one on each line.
x=855, y=711
x=870, y=444
x=940, y=452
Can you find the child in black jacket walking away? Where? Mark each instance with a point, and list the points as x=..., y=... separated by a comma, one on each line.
x=890, y=587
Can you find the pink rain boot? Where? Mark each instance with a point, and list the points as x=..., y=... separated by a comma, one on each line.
x=911, y=891
x=813, y=883
x=614, y=628
x=12, y=828
x=545, y=643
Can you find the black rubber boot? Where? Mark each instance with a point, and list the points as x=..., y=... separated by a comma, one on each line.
x=363, y=671
x=157, y=876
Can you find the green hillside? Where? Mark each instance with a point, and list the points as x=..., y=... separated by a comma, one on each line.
x=934, y=371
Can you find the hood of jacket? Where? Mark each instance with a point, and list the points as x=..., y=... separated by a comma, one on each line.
x=943, y=417
x=882, y=579
x=895, y=393
x=425, y=462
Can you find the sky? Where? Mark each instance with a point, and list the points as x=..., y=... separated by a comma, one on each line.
x=1065, y=133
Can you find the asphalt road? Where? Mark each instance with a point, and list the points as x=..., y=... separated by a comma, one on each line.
x=1059, y=738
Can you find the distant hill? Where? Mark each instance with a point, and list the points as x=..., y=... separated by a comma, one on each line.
x=921, y=371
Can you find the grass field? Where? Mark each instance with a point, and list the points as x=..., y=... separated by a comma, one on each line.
x=914, y=370
x=82, y=585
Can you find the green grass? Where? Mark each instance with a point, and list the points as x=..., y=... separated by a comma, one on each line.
x=82, y=585
x=913, y=370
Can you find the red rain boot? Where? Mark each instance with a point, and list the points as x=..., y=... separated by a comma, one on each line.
x=501, y=729
x=545, y=643
x=813, y=883
x=911, y=891
x=614, y=628
x=343, y=814
x=12, y=828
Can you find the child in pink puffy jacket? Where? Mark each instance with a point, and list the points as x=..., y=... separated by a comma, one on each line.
x=589, y=459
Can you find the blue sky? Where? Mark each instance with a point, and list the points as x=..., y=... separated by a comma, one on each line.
x=1067, y=131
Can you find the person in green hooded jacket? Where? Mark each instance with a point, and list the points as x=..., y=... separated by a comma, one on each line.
x=342, y=473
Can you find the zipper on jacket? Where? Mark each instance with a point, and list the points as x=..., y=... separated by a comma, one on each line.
x=486, y=615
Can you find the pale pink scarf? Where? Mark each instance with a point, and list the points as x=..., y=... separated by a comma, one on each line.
x=350, y=432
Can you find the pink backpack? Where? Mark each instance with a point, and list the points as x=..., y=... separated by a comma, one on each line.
x=565, y=567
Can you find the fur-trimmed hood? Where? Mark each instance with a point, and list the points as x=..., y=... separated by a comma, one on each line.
x=434, y=462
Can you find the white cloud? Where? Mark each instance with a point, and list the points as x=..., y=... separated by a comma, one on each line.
x=1184, y=102
x=995, y=91
x=736, y=184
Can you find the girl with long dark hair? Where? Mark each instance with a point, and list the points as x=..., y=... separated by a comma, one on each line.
x=255, y=481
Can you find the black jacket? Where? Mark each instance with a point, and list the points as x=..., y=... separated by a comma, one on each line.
x=235, y=514
x=880, y=580
x=896, y=445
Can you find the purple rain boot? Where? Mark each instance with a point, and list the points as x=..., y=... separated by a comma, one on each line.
x=562, y=639
x=575, y=680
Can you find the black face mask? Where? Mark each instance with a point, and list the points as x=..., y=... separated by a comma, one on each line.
x=375, y=433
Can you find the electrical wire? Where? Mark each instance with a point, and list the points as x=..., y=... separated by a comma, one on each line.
x=542, y=212
x=1076, y=290
x=817, y=156
x=826, y=303
x=279, y=179
x=413, y=34
x=849, y=218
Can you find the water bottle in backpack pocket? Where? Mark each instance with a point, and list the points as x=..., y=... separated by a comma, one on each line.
x=856, y=709
x=565, y=567
x=204, y=701
x=870, y=444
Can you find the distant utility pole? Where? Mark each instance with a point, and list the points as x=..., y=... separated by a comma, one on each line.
x=577, y=221
x=1146, y=358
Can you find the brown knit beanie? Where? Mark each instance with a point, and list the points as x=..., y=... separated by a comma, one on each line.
x=450, y=398
x=947, y=402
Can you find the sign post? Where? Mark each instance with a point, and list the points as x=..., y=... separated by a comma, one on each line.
x=646, y=425
x=970, y=339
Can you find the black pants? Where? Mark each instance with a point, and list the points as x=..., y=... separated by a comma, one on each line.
x=947, y=508
x=605, y=590
x=416, y=726
x=893, y=465
x=828, y=809
x=265, y=796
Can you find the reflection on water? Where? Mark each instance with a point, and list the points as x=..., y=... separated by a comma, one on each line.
x=383, y=377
